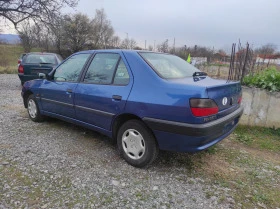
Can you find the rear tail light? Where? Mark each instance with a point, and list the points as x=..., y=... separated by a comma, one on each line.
x=203, y=107
x=239, y=100
x=20, y=69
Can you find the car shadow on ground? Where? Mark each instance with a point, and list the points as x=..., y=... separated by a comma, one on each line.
x=165, y=159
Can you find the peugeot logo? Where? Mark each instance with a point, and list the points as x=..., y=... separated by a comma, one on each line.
x=224, y=102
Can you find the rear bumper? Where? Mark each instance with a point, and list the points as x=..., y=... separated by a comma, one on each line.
x=185, y=137
x=25, y=78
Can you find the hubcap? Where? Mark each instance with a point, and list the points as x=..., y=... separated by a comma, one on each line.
x=32, y=109
x=133, y=144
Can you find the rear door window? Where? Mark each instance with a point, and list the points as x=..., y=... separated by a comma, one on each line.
x=102, y=68
x=107, y=68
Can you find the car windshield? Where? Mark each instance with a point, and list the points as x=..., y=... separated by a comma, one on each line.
x=40, y=58
x=169, y=66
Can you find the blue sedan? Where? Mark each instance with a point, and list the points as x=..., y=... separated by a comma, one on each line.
x=145, y=101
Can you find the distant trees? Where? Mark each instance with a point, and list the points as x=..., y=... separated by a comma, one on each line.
x=163, y=47
x=128, y=44
x=77, y=32
x=267, y=49
x=70, y=33
x=27, y=36
x=102, y=30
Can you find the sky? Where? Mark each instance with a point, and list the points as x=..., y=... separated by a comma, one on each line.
x=211, y=23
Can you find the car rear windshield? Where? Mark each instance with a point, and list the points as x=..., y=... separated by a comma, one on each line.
x=169, y=66
x=40, y=59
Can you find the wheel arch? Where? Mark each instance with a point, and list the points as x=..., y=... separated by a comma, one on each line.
x=25, y=97
x=121, y=119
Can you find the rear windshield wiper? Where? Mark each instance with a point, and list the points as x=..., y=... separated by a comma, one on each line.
x=46, y=63
x=199, y=74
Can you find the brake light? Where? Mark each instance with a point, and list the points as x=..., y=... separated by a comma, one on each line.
x=239, y=100
x=203, y=107
x=20, y=69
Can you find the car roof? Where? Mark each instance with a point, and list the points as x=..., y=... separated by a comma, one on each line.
x=113, y=50
x=41, y=53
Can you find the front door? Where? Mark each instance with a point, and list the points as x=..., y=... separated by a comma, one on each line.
x=57, y=95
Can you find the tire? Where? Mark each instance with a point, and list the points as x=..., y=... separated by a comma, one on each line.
x=136, y=144
x=33, y=109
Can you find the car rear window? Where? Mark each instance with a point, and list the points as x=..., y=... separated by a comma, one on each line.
x=168, y=66
x=40, y=58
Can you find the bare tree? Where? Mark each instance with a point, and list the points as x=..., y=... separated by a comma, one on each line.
x=56, y=28
x=163, y=47
x=115, y=42
x=28, y=35
x=129, y=44
x=16, y=11
x=77, y=32
x=102, y=29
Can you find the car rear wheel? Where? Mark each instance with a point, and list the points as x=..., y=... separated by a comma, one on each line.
x=136, y=144
x=33, y=109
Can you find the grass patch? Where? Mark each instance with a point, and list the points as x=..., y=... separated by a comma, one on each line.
x=8, y=70
x=9, y=55
x=258, y=137
x=246, y=164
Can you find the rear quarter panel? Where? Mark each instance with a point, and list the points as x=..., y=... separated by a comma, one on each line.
x=152, y=96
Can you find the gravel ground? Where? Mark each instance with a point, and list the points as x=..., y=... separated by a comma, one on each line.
x=58, y=165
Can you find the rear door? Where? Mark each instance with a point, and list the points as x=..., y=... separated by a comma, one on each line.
x=57, y=95
x=104, y=89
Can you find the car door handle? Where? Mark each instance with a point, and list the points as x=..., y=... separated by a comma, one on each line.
x=69, y=90
x=117, y=97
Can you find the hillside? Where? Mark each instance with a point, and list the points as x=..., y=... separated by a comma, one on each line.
x=9, y=38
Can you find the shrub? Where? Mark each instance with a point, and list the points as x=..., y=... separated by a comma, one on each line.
x=268, y=79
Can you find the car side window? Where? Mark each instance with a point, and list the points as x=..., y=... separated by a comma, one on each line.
x=102, y=68
x=70, y=70
x=121, y=76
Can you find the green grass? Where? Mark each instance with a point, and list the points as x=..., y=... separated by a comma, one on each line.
x=247, y=163
x=9, y=55
x=258, y=137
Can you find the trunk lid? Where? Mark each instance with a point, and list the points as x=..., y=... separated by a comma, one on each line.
x=226, y=94
x=34, y=69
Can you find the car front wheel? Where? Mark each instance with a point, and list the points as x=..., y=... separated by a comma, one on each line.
x=33, y=109
x=136, y=144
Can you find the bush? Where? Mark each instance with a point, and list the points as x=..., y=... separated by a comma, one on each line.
x=268, y=79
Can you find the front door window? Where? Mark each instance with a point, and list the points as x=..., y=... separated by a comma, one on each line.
x=70, y=70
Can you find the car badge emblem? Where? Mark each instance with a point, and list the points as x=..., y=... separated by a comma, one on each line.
x=224, y=102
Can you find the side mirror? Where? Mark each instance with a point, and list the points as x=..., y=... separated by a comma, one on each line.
x=42, y=75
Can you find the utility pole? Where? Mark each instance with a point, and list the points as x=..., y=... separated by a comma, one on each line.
x=174, y=46
x=145, y=44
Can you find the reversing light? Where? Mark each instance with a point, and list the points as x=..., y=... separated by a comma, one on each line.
x=203, y=107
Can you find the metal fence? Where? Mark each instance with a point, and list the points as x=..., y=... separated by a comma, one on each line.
x=242, y=62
